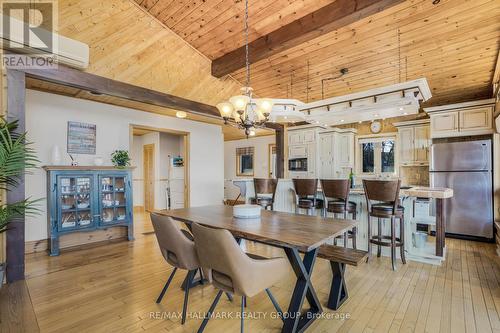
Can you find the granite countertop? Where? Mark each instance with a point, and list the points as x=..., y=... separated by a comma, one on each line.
x=417, y=191
x=406, y=191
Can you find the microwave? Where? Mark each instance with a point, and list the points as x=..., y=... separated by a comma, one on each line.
x=297, y=164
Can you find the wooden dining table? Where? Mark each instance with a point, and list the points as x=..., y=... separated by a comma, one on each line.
x=294, y=233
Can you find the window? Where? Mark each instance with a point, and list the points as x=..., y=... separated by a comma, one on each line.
x=244, y=161
x=377, y=155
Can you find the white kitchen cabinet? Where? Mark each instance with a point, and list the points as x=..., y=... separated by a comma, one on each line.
x=309, y=136
x=326, y=167
x=295, y=138
x=311, y=160
x=444, y=124
x=406, y=145
x=414, y=142
x=299, y=151
x=422, y=144
x=303, y=136
x=344, y=158
x=462, y=119
x=476, y=119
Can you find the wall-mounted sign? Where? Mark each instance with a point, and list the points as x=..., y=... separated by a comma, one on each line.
x=81, y=138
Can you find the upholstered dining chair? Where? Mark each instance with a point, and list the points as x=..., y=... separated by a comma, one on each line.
x=235, y=271
x=178, y=248
x=265, y=191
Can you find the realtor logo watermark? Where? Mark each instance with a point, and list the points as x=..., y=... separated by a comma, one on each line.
x=28, y=34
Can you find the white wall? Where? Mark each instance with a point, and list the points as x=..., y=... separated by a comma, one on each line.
x=46, y=122
x=261, y=160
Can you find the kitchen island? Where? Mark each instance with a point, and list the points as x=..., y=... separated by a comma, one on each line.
x=424, y=206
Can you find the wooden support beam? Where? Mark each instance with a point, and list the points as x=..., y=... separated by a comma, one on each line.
x=70, y=77
x=338, y=14
x=16, y=92
x=280, y=148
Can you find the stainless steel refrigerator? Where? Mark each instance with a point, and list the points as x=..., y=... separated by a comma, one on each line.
x=466, y=167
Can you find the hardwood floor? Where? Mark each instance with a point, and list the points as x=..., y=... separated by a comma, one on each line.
x=113, y=288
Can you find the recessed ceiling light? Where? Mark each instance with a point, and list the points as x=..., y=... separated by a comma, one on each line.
x=375, y=115
x=405, y=113
x=181, y=114
x=401, y=109
x=341, y=120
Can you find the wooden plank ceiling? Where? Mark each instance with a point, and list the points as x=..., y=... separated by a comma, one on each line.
x=454, y=44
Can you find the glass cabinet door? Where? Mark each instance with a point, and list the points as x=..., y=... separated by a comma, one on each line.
x=113, y=199
x=74, y=202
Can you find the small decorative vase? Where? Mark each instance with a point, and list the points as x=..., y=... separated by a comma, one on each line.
x=98, y=161
x=56, y=155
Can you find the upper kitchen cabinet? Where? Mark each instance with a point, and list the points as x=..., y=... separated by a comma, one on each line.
x=299, y=137
x=303, y=143
x=414, y=142
x=336, y=150
x=462, y=119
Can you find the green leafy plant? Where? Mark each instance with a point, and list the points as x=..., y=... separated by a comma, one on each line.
x=120, y=158
x=16, y=159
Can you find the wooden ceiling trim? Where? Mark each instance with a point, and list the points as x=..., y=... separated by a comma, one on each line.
x=329, y=18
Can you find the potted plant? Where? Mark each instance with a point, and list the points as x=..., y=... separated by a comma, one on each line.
x=16, y=158
x=120, y=158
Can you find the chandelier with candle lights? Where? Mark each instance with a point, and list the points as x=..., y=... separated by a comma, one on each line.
x=244, y=111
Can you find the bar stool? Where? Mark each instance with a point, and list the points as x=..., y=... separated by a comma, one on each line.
x=338, y=191
x=386, y=193
x=265, y=190
x=305, y=195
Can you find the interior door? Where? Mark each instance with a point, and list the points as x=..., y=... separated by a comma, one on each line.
x=149, y=177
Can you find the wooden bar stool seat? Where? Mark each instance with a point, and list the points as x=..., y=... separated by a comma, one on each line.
x=265, y=191
x=384, y=210
x=338, y=207
x=336, y=194
x=385, y=205
x=305, y=195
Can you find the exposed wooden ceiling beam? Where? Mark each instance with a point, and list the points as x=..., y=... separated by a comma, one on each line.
x=101, y=85
x=324, y=20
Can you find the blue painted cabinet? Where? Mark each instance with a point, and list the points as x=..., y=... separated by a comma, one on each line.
x=87, y=198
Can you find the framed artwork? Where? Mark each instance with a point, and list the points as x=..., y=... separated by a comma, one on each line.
x=81, y=138
x=244, y=161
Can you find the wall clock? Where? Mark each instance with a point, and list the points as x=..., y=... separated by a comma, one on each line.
x=376, y=127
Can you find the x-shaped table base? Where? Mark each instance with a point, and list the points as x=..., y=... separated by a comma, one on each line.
x=338, y=290
x=295, y=319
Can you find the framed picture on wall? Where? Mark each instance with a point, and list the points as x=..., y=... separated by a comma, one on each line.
x=81, y=138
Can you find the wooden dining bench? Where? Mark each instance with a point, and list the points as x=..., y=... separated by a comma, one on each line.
x=339, y=257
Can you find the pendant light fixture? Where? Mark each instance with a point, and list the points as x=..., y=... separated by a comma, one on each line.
x=244, y=111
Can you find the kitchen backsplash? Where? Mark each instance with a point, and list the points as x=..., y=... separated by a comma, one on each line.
x=414, y=175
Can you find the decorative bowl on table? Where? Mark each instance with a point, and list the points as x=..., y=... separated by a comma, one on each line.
x=247, y=211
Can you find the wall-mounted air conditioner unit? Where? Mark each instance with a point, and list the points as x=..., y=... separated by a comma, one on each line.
x=66, y=51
